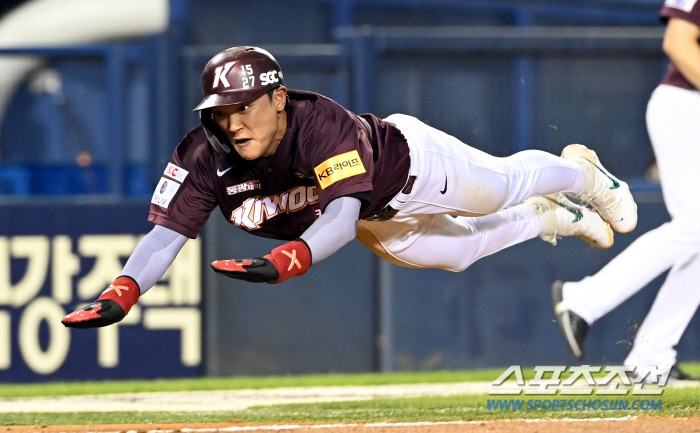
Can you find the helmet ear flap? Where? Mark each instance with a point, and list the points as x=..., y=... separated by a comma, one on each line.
x=216, y=137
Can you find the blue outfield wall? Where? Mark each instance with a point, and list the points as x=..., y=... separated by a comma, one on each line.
x=55, y=257
x=350, y=313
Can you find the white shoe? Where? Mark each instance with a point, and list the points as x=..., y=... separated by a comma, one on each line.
x=560, y=218
x=609, y=196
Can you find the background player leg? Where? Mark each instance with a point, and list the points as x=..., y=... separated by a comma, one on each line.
x=674, y=133
x=669, y=316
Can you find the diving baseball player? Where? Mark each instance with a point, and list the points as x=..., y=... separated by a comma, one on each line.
x=674, y=129
x=296, y=166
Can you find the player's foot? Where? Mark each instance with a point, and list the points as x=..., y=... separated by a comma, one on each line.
x=571, y=324
x=675, y=375
x=609, y=196
x=560, y=217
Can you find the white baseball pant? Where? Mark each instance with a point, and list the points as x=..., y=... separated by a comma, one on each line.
x=674, y=130
x=464, y=204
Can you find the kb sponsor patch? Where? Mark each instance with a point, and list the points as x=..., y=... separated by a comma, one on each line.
x=339, y=167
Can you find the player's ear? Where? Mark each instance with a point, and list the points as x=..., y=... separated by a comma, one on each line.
x=279, y=98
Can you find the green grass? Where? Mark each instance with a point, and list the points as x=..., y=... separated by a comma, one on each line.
x=675, y=402
x=230, y=383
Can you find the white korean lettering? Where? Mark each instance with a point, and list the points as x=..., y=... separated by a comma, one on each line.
x=39, y=360
x=577, y=372
x=181, y=284
x=108, y=250
x=188, y=321
x=512, y=370
x=64, y=265
x=619, y=371
x=36, y=250
x=108, y=339
x=5, y=340
x=543, y=384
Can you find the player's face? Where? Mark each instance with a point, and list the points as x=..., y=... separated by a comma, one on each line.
x=255, y=128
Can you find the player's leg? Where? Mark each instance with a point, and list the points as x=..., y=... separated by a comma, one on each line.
x=455, y=178
x=454, y=243
x=673, y=308
x=445, y=242
x=673, y=132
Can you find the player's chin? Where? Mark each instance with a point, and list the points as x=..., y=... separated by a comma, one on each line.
x=248, y=151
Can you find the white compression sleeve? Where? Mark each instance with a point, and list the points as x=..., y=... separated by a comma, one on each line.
x=333, y=229
x=153, y=256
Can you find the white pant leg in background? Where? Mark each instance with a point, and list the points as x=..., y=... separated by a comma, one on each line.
x=453, y=178
x=672, y=121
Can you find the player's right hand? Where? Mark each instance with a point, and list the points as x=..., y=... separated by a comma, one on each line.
x=111, y=307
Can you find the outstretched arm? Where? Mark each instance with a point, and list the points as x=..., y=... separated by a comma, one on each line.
x=146, y=265
x=330, y=232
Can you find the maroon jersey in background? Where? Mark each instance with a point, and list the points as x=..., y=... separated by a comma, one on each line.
x=688, y=10
x=327, y=152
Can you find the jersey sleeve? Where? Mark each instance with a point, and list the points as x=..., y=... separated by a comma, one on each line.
x=184, y=197
x=340, y=153
x=688, y=10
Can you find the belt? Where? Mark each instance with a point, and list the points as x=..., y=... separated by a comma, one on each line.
x=387, y=212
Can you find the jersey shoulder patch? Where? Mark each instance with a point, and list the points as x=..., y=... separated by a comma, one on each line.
x=175, y=172
x=165, y=191
x=684, y=5
x=339, y=167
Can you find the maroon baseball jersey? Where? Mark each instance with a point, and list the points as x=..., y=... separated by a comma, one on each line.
x=327, y=152
x=688, y=10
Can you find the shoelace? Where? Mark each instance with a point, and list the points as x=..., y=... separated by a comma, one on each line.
x=601, y=190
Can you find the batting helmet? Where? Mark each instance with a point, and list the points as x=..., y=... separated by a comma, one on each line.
x=239, y=74
x=235, y=75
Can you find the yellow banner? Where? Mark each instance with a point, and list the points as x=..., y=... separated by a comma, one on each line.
x=339, y=167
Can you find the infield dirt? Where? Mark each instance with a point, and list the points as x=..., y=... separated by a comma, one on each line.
x=641, y=424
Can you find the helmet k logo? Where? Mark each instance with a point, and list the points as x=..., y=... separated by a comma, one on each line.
x=220, y=75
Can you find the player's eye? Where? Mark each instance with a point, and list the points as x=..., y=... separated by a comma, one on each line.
x=244, y=108
x=218, y=113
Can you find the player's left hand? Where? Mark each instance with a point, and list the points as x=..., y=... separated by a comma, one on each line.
x=284, y=262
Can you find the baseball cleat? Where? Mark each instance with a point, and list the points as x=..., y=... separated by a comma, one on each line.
x=678, y=375
x=675, y=375
x=610, y=196
x=560, y=218
x=571, y=324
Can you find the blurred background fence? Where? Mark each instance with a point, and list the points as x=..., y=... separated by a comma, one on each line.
x=88, y=126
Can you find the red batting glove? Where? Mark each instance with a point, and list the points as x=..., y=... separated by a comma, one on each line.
x=111, y=307
x=284, y=262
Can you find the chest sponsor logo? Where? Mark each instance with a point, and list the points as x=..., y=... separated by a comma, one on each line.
x=339, y=167
x=164, y=193
x=175, y=172
x=684, y=5
x=253, y=212
x=250, y=185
